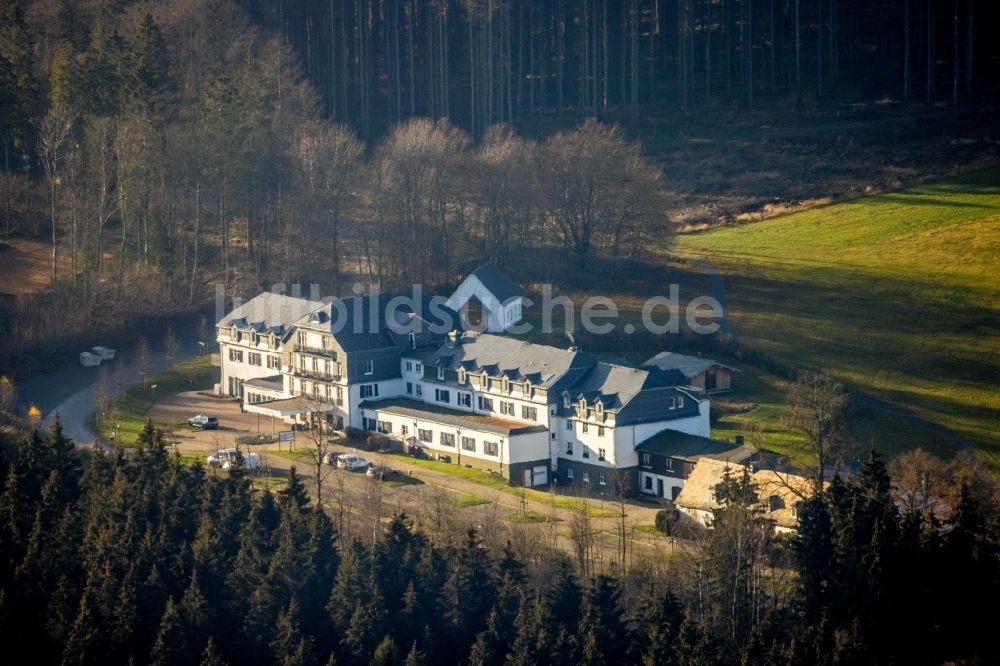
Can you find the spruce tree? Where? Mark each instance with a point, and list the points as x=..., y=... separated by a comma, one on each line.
x=294, y=493
x=657, y=627
x=170, y=646
x=386, y=653
x=211, y=656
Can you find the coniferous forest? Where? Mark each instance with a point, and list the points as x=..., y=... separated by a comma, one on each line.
x=108, y=558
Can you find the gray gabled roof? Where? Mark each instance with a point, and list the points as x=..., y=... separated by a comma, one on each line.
x=674, y=444
x=499, y=284
x=547, y=367
x=614, y=384
x=691, y=366
x=358, y=323
x=268, y=312
x=452, y=417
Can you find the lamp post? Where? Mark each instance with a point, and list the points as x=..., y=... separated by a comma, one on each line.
x=153, y=387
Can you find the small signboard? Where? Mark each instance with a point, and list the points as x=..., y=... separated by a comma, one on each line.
x=286, y=436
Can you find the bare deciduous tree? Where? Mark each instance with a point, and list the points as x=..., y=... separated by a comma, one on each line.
x=329, y=158
x=818, y=404
x=53, y=136
x=171, y=345
x=8, y=394
x=142, y=359
x=598, y=190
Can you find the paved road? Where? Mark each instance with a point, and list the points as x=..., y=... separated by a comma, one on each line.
x=70, y=392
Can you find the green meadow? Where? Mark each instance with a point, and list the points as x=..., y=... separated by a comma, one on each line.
x=897, y=295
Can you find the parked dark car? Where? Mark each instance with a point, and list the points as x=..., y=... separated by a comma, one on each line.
x=381, y=472
x=204, y=422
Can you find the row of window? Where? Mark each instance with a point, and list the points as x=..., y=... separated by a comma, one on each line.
x=601, y=454
x=325, y=343
x=602, y=478
x=426, y=435
x=253, y=337
x=317, y=366
x=318, y=390
x=254, y=358
x=647, y=461
x=585, y=427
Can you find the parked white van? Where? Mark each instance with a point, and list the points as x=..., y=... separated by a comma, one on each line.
x=229, y=458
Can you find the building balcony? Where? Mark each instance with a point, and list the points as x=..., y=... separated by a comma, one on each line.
x=317, y=351
x=317, y=375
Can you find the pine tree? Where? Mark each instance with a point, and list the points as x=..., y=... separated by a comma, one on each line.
x=602, y=634
x=367, y=623
x=84, y=644
x=211, y=656
x=65, y=81
x=104, y=67
x=18, y=90
x=658, y=626
x=693, y=647
x=386, y=653
x=149, y=68
x=294, y=492
x=289, y=645
x=564, y=597
x=414, y=657
x=170, y=646
x=196, y=616
x=814, y=551
x=466, y=596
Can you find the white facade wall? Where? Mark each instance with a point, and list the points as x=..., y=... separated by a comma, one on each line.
x=387, y=388
x=517, y=448
x=501, y=316
x=669, y=484
x=242, y=370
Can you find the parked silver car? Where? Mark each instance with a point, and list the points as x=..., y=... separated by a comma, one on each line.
x=352, y=462
x=230, y=458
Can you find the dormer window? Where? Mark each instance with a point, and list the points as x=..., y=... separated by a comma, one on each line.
x=680, y=402
x=253, y=337
x=566, y=400
x=441, y=373
x=413, y=340
x=233, y=333
x=505, y=385
x=600, y=407
x=461, y=375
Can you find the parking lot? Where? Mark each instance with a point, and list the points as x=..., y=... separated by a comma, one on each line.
x=233, y=422
x=428, y=495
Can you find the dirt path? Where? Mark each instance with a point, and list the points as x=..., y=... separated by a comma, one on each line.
x=26, y=266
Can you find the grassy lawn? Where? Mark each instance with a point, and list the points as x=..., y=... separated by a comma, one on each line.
x=299, y=455
x=648, y=529
x=498, y=483
x=132, y=407
x=897, y=295
x=529, y=517
x=463, y=501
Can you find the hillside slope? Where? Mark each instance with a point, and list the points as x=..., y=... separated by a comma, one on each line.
x=898, y=295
